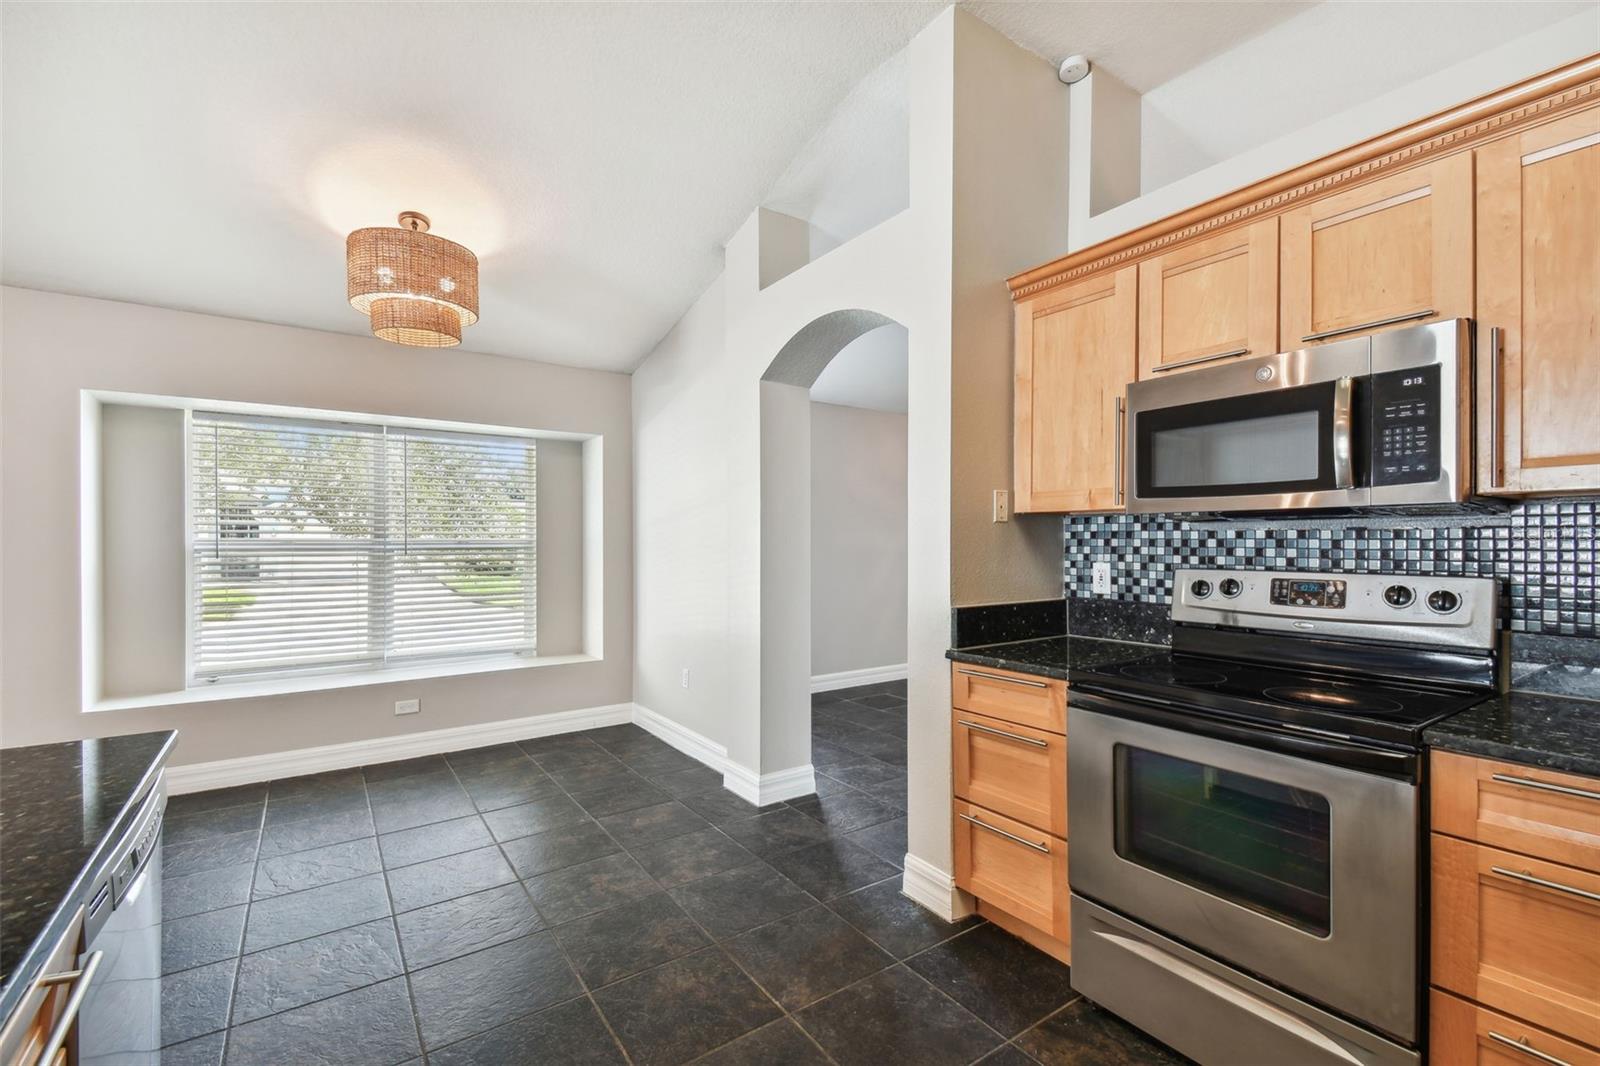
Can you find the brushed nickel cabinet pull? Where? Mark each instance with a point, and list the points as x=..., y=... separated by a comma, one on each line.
x=1043, y=849
x=1528, y=1049
x=1121, y=443
x=1496, y=345
x=1380, y=323
x=1555, y=886
x=1003, y=677
x=1197, y=360
x=1018, y=737
x=1544, y=786
x=69, y=1015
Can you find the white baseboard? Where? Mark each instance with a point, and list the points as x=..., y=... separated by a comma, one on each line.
x=198, y=777
x=769, y=788
x=872, y=675
x=760, y=790
x=934, y=889
x=686, y=740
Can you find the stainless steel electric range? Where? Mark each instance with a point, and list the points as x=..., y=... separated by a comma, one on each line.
x=1246, y=812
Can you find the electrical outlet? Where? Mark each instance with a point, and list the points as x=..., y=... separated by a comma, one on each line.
x=1102, y=578
x=407, y=706
x=1002, y=505
x=685, y=680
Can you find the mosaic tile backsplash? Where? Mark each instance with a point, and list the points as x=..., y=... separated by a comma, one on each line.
x=1545, y=550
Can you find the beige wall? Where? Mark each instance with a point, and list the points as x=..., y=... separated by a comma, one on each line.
x=55, y=346
x=858, y=539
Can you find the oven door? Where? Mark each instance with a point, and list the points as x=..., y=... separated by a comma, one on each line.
x=1302, y=873
x=1282, y=431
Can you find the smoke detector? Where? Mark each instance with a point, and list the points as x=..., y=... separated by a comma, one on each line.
x=1073, y=69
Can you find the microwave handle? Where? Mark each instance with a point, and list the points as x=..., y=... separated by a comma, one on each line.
x=1344, y=473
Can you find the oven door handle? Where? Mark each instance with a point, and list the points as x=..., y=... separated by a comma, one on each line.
x=1344, y=471
x=1306, y=744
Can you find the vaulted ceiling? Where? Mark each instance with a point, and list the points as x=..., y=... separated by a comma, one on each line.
x=211, y=157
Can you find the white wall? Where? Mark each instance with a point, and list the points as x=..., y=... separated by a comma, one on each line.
x=858, y=539
x=56, y=346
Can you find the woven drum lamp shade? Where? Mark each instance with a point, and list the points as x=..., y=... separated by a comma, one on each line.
x=418, y=289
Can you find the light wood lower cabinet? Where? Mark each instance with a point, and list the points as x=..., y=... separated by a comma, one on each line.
x=25, y=1034
x=1518, y=935
x=1543, y=813
x=1465, y=1034
x=1012, y=866
x=1037, y=702
x=1538, y=276
x=1011, y=769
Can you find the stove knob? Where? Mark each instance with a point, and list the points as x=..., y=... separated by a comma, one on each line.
x=1200, y=589
x=1443, y=601
x=1398, y=596
x=1230, y=587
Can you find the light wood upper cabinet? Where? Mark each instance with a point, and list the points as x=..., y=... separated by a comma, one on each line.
x=1075, y=353
x=1392, y=251
x=1539, y=296
x=1210, y=301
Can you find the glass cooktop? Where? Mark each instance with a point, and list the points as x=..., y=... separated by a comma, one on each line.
x=1369, y=709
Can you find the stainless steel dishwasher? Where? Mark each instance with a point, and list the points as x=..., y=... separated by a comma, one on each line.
x=120, y=1020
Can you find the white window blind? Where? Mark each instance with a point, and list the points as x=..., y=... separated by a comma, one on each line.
x=325, y=545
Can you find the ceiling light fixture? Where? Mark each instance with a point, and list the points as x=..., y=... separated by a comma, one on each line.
x=418, y=289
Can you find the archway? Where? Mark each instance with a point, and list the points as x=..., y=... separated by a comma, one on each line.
x=786, y=588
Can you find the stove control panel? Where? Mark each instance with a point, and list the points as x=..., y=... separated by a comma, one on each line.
x=1411, y=608
x=1302, y=592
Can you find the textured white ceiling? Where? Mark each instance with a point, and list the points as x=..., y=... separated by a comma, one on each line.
x=596, y=156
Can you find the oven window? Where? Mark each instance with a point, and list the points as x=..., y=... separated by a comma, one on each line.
x=1251, y=451
x=1251, y=841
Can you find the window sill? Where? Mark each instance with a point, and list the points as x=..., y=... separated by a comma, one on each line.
x=243, y=690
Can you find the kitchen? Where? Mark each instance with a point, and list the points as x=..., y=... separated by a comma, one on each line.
x=1250, y=702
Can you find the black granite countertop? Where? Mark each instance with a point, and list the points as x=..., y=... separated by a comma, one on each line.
x=1551, y=719
x=1054, y=656
x=62, y=809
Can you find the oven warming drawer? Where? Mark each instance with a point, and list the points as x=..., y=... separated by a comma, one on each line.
x=1210, y=1012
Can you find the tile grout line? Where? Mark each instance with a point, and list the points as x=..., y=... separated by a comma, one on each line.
x=405, y=970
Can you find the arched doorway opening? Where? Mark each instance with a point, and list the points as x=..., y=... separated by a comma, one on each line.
x=852, y=353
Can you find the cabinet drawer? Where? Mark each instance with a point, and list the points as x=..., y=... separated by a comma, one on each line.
x=1012, y=866
x=1012, y=697
x=1542, y=813
x=1518, y=935
x=1011, y=769
x=1465, y=1034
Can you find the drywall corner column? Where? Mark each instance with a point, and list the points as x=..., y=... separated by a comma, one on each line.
x=1105, y=147
x=785, y=577
x=785, y=244
x=928, y=447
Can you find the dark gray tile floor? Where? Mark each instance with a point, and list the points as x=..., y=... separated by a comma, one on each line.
x=592, y=897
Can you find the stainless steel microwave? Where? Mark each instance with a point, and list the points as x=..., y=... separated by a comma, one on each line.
x=1375, y=421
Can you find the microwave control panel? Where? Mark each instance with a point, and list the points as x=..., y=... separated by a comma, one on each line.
x=1405, y=426
x=1300, y=592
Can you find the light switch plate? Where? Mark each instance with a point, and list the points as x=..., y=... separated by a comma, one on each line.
x=1002, y=505
x=407, y=706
